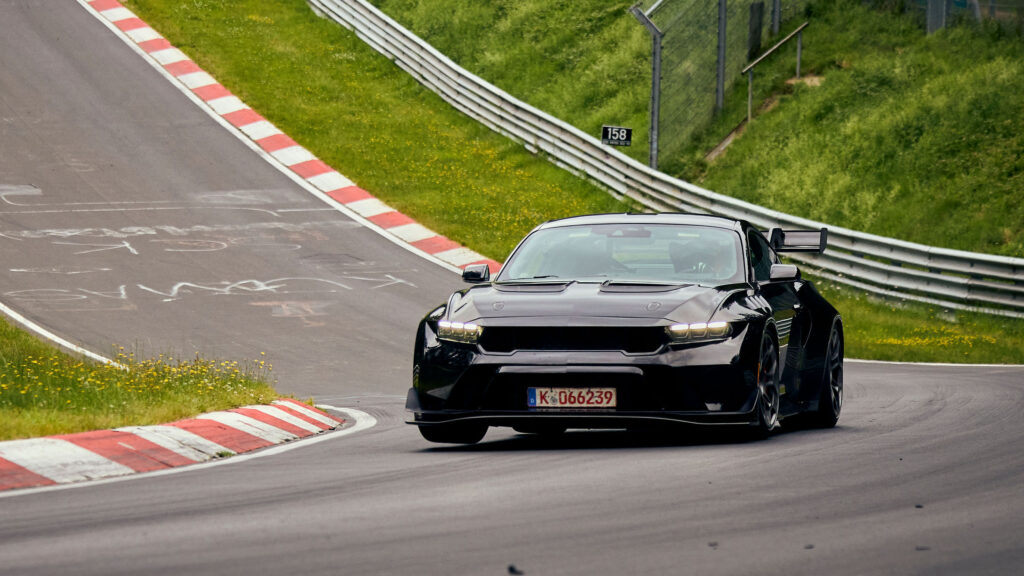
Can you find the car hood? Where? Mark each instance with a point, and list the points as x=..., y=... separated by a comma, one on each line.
x=583, y=304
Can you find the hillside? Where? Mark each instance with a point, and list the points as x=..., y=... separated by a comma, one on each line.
x=586, y=62
x=911, y=136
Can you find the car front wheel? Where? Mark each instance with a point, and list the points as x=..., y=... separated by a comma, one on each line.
x=767, y=387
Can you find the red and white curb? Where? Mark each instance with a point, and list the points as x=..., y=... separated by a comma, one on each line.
x=303, y=166
x=67, y=458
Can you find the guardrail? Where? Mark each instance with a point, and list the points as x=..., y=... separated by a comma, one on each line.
x=952, y=278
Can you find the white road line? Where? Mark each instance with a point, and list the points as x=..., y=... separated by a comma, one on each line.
x=32, y=326
x=362, y=421
x=60, y=460
x=937, y=364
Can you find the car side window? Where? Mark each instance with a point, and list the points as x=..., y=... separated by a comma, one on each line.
x=761, y=256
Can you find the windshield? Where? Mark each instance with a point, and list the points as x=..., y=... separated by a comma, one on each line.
x=628, y=253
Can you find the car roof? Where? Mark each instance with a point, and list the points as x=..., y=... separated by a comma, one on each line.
x=658, y=218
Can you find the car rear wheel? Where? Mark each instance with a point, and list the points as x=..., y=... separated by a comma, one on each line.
x=830, y=397
x=454, y=433
x=767, y=387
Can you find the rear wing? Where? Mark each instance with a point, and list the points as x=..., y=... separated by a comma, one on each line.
x=797, y=240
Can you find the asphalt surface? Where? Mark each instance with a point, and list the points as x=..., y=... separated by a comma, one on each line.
x=923, y=475
x=128, y=217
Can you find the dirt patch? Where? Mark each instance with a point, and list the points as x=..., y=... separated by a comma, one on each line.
x=810, y=80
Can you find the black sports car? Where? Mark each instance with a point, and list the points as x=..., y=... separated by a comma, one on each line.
x=626, y=320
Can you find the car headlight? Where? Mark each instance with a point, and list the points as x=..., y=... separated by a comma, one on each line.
x=467, y=333
x=698, y=331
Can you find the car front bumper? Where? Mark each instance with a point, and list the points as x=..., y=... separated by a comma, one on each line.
x=706, y=383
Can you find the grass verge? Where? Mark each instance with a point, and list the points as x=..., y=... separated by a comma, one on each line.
x=361, y=114
x=904, y=331
x=44, y=391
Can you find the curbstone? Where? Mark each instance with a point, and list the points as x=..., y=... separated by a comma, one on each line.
x=67, y=458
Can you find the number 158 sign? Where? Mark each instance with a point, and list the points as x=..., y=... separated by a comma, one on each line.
x=616, y=136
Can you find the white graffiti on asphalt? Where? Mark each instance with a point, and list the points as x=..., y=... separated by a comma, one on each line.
x=135, y=231
x=102, y=247
x=297, y=285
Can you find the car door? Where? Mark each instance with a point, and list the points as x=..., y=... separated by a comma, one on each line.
x=782, y=298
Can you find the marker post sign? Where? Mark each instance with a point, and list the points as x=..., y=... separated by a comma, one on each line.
x=616, y=136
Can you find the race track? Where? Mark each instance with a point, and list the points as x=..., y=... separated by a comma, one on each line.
x=129, y=217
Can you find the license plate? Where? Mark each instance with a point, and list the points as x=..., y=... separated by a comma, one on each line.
x=570, y=397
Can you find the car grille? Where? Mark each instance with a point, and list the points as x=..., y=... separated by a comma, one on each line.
x=630, y=340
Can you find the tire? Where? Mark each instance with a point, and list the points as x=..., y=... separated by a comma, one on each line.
x=767, y=387
x=454, y=433
x=830, y=395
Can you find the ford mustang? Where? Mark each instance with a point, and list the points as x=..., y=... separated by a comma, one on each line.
x=629, y=320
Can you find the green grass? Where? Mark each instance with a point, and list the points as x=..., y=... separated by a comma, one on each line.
x=906, y=131
x=899, y=330
x=364, y=116
x=909, y=136
x=586, y=62
x=44, y=391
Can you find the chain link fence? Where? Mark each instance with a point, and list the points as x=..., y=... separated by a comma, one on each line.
x=938, y=14
x=704, y=46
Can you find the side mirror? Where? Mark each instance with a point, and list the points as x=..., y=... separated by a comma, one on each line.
x=479, y=273
x=783, y=272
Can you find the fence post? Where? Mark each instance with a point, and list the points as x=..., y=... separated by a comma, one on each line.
x=750, y=94
x=720, y=84
x=936, y=15
x=776, y=16
x=799, y=51
x=656, y=36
